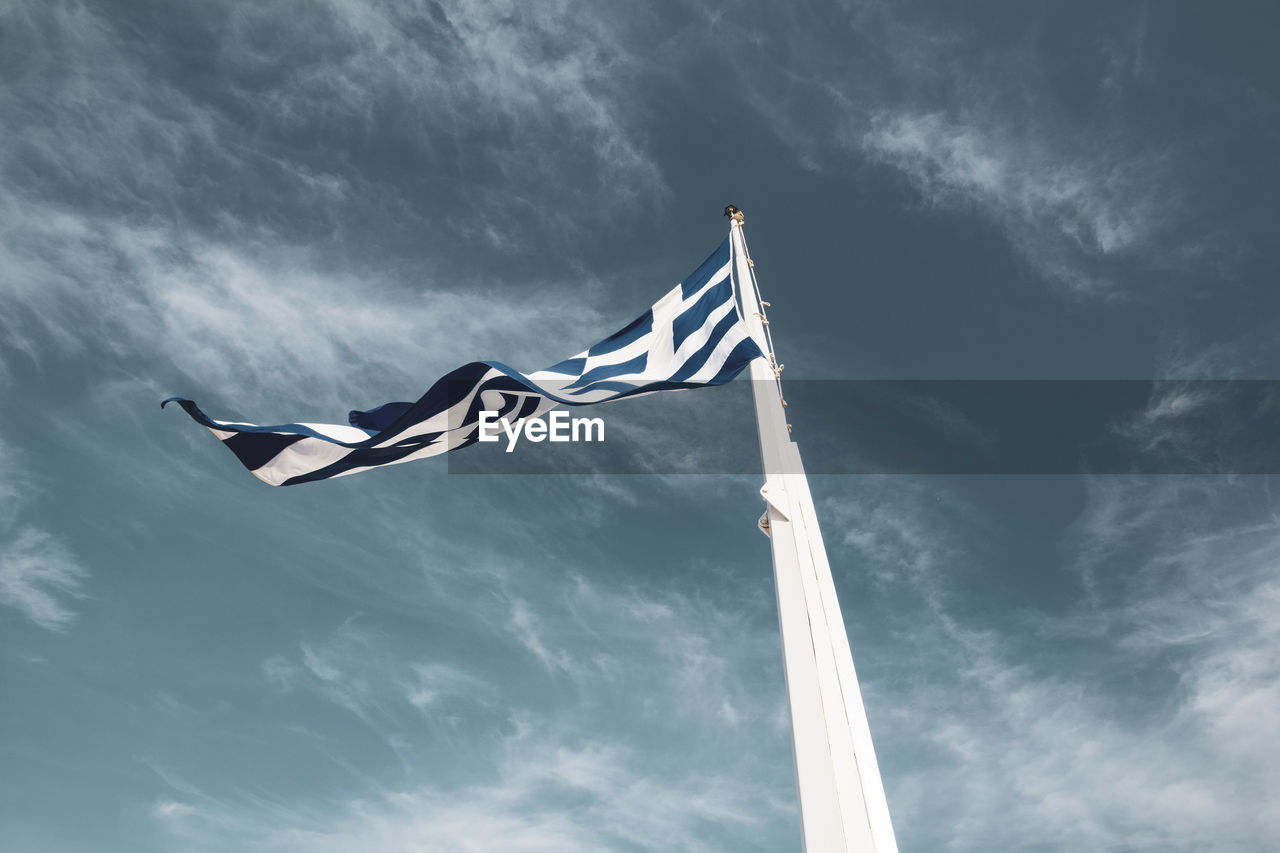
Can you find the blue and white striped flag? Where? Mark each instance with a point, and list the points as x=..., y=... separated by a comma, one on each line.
x=692, y=337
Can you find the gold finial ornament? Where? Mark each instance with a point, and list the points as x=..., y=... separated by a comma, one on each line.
x=733, y=213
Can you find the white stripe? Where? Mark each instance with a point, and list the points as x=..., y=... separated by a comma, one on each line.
x=720, y=276
x=715, y=362
x=695, y=342
x=446, y=420
x=338, y=432
x=301, y=457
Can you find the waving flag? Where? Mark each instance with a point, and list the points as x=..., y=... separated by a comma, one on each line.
x=692, y=337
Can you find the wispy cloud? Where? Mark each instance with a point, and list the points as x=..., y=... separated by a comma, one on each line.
x=976, y=114
x=601, y=637
x=37, y=576
x=360, y=671
x=38, y=572
x=434, y=686
x=551, y=791
x=276, y=325
x=1138, y=712
x=511, y=102
x=542, y=770
x=528, y=629
x=1056, y=208
x=144, y=214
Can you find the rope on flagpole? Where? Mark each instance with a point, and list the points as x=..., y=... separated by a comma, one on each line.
x=739, y=220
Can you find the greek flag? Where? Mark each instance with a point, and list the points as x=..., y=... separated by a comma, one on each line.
x=692, y=337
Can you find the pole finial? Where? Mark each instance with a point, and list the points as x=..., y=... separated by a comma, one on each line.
x=733, y=213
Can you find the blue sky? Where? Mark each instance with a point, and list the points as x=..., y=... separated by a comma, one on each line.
x=288, y=210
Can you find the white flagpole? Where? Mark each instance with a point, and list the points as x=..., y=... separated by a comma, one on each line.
x=842, y=802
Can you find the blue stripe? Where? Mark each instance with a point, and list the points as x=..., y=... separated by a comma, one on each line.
x=743, y=354
x=606, y=371
x=568, y=367
x=530, y=406
x=514, y=407
x=694, y=362
x=633, y=331
x=256, y=450
x=696, y=315
x=702, y=274
x=298, y=429
x=605, y=385
x=376, y=420
x=448, y=391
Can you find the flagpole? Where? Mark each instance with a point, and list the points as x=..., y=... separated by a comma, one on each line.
x=842, y=801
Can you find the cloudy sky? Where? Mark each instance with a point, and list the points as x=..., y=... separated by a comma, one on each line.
x=286, y=210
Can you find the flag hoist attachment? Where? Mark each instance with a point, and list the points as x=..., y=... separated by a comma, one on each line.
x=842, y=801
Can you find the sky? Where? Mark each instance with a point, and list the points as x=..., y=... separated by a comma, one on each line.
x=288, y=210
